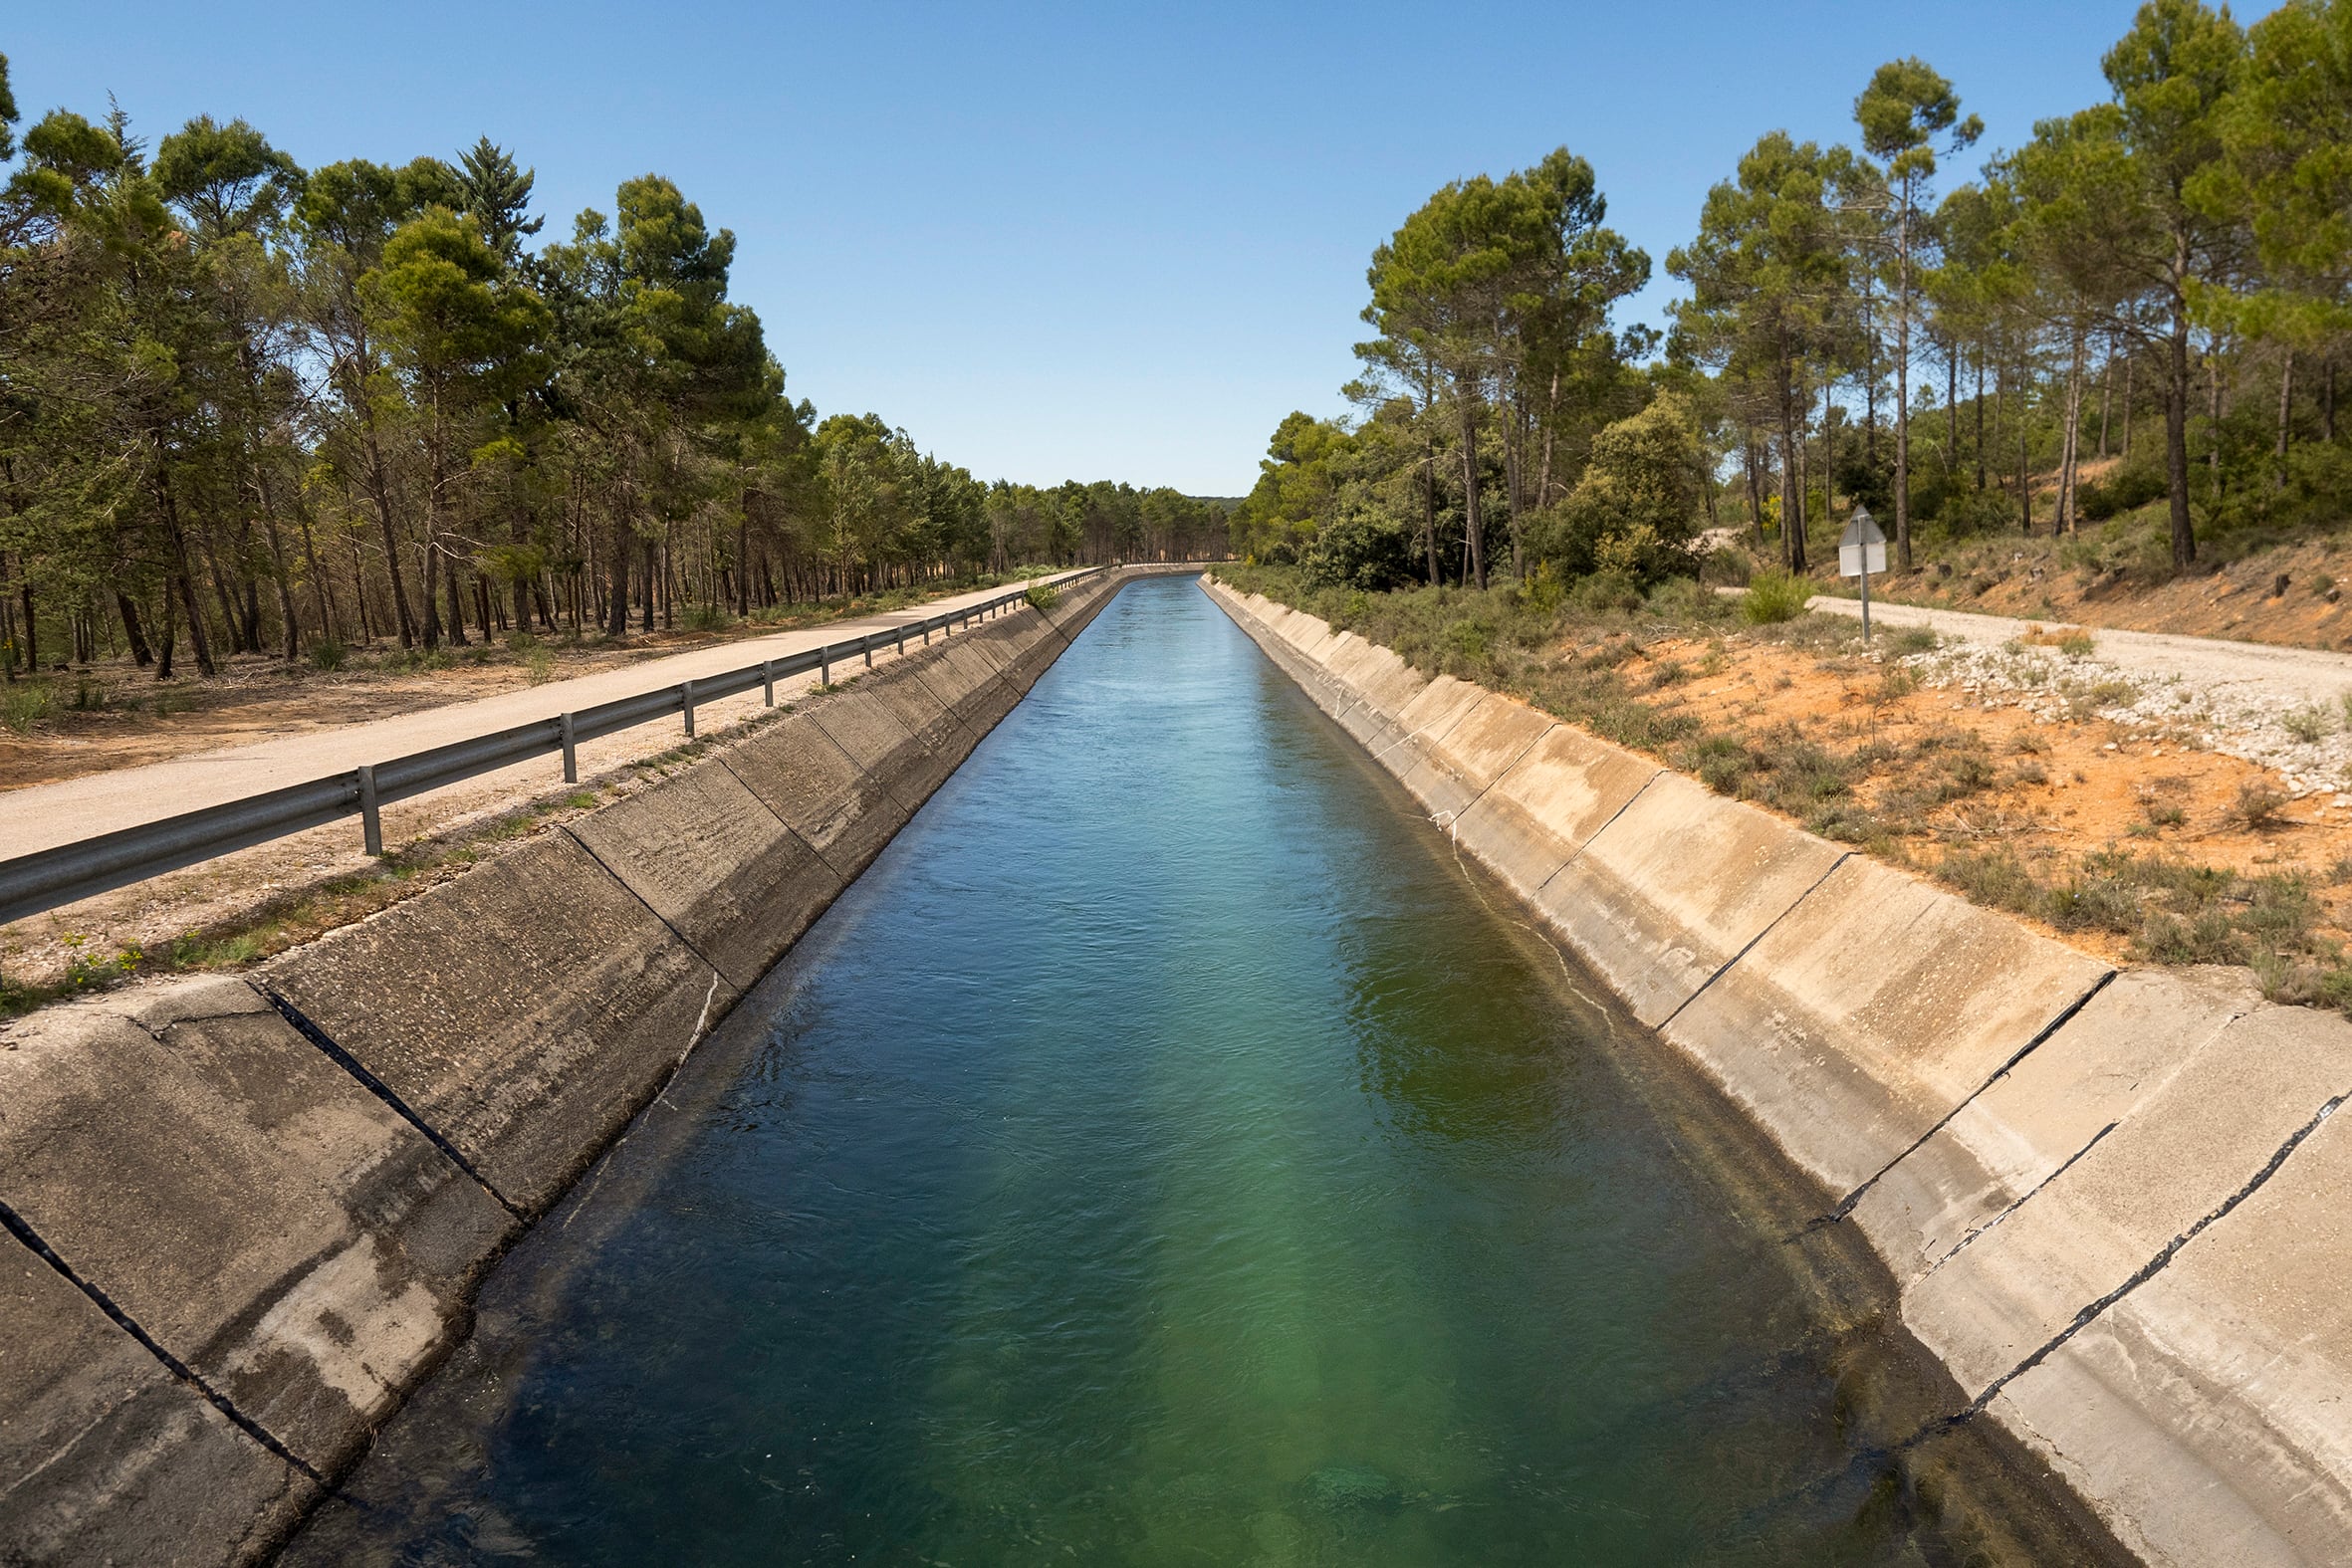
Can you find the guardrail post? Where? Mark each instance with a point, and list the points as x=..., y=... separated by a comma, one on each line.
x=571, y=749
x=371, y=823
x=866, y=642
x=767, y=681
x=686, y=688
x=825, y=665
x=902, y=642
x=926, y=634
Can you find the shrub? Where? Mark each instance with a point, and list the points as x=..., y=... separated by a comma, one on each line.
x=2122, y=491
x=24, y=704
x=1684, y=599
x=1774, y=596
x=1727, y=566
x=327, y=654
x=1042, y=595
x=2308, y=725
x=2257, y=806
x=1635, y=510
x=1361, y=550
x=706, y=617
x=1606, y=590
x=1980, y=512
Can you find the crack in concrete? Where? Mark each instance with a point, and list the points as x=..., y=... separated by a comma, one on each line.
x=2067, y=1015
x=1962, y=1244
x=17, y=1225
x=2155, y=1266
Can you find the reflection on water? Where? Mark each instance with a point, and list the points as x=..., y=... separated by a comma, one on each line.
x=1165, y=1154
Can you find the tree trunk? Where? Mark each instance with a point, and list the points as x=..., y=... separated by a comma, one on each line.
x=1429, y=508
x=2176, y=438
x=1830, y=449
x=1792, y=536
x=1550, y=412
x=381, y=492
x=2070, y=445
x=1473, y=525
x=1755, y=487
x=2213, y=451
x=269, y=523
x=2286, y=395
x=2106, y=395
x=1980, y=421
x=183, y=576
x=432, y=597
x=163, y=647
x=2024, y=458
x=1903, y=386
x=454, y=576
x=1951, y=409
x=133, y=632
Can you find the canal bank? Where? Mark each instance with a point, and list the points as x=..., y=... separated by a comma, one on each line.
x=245, y=1215
x=1170, y=1152
x=2108, y=1200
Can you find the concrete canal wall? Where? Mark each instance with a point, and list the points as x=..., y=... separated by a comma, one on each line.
x=245, y=1215
x=2117, y=1204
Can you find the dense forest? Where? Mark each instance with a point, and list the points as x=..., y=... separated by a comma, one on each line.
x=2135, y=319
x=248, y=407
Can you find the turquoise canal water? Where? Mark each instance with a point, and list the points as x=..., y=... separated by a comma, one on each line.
x=1167, y=1154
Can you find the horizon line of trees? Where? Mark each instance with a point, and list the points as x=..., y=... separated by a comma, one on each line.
x=248, y=407
x=2163, y=278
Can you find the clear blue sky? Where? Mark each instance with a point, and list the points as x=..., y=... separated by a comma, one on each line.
x=1061, y=241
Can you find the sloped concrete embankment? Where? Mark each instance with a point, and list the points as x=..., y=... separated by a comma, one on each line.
x=245, y=1215
x=2115, y=1202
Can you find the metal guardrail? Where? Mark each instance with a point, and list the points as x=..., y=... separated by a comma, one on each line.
x=47, y=878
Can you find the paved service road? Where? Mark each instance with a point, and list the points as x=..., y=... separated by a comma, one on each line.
x=45, y=815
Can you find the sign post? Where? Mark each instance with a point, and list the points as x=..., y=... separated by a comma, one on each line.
x=1862, y=550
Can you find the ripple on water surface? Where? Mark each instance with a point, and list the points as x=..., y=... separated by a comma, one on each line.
x=1164, y=1155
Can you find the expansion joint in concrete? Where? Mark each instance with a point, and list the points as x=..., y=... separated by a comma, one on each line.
x=319, y=1037
x=2157, y=1264
x=17, y=1225
x=2020, y=1202
x=1724, y=968
x=684, y=941
x=1847, y=1205
x=1592, y=838
x=1453, y=818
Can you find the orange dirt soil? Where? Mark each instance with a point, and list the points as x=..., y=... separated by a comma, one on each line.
x=2101, y=785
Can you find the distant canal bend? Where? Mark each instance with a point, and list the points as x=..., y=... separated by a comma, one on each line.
x=1166, y=1154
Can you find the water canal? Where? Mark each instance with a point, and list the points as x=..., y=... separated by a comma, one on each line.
x=1166, y=1154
